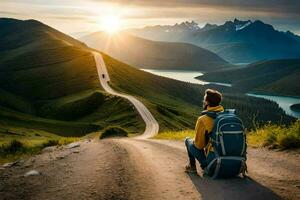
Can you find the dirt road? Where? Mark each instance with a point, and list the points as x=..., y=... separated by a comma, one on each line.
x=151, y=124
x=143, y=169
x=140, y=168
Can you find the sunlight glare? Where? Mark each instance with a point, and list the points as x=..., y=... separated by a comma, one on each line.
x=111, y=24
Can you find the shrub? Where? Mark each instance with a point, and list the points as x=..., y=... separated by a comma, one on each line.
x=276, y=136
x=113, y=132
x=13, y=147
x=50, y=143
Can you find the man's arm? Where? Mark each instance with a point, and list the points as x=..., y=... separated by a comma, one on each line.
x=200, y=134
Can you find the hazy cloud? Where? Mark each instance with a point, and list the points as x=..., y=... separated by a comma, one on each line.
x=85, y=14
x=286, y=6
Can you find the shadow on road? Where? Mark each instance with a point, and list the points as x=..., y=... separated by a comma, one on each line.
x=237, y=188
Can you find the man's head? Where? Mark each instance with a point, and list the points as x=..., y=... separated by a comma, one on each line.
x=212, y=98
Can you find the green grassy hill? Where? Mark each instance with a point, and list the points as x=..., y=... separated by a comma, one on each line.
x=274, y=77
x=145, y=53
x=176, y=105
x=49, y=89
x=49, y=82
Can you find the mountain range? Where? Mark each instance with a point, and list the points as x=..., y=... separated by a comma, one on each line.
x=144, y=53
x=49, y=82
x=236, y=41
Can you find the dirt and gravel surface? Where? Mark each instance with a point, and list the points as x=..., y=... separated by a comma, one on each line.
x=141, y=168
x=127, y=168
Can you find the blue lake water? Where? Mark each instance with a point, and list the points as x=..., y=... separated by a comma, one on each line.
x=182, y=75
x=189, y=76
x=283, y=101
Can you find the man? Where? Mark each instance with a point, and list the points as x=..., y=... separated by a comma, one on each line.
x=200, y=148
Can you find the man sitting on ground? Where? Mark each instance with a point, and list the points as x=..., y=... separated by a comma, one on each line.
x=200, y=147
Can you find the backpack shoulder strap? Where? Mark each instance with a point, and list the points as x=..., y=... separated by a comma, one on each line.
x=210, y=114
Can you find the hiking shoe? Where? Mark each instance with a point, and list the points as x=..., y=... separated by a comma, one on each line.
x=190, y=169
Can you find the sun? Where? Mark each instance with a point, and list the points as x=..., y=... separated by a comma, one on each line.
x=111, y=24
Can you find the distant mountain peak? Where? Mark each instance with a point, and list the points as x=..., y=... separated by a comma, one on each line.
x=188, y=25
x=182, y=27
x=237, y=25
x=237, y=21
x=258, y=24
x=209, y=26
x=241, y=25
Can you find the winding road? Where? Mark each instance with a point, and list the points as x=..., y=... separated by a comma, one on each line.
x=143, y=168
x=152, y=126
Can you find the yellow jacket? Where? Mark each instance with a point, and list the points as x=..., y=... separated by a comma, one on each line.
x=203, y=127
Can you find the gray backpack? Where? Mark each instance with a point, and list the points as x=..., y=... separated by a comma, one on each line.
x=228, y=139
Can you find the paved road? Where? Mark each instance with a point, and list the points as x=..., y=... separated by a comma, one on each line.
x=152, y=126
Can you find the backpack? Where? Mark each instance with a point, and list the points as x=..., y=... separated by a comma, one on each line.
x=228, y=139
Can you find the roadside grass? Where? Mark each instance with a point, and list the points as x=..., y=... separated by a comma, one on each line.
x=20, y=143
x=276, y=136
x=270, y=135
x=175, y=135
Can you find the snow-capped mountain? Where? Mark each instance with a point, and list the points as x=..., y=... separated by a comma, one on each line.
x=239, y=25
x=236, y=41
x=180, y=28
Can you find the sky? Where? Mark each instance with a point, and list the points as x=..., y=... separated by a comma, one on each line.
x=80, y=17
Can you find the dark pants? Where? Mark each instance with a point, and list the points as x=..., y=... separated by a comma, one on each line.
x=199, y=154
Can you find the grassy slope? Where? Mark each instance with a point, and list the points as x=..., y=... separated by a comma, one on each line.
x=49, y=82
x=277, y=76
x=91, y=114
x=176, y=104
x=284, y=86
x=152, y=54
x=236, y=52
x=172, y=111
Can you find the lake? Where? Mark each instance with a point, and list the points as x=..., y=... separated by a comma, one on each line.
x=189, y=76
x=283, y=102
x=182, y=75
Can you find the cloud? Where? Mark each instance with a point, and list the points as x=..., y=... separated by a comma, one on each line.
x=137, y=13
x=285, y=6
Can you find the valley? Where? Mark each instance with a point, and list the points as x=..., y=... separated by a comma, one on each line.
x=58, y=96
x=130, y=173
x=284, y=102
x=144, y=53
